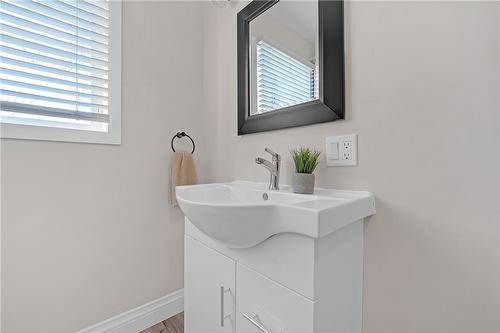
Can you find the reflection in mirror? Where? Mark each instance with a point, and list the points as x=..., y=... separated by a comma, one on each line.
x=284, y=56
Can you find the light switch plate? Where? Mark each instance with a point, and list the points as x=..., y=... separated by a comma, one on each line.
x=341, y=150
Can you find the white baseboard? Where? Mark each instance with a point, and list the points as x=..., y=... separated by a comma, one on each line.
x=142, y=317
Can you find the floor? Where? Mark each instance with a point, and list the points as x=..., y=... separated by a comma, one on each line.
x=174, y=324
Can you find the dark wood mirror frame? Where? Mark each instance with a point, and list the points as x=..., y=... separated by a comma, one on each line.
x=329, y=106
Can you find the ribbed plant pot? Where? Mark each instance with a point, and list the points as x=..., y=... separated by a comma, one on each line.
x=303, y=183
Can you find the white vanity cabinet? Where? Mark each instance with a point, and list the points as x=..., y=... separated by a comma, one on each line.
x=272, y=261
x=209, y=295
x=263, y=302
x=288, y=283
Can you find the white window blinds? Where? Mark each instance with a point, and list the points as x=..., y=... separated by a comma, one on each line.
x=54, y=57
x=281, y=79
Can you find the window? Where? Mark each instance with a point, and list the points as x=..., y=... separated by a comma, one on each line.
x=282, y=80
x=60, y=70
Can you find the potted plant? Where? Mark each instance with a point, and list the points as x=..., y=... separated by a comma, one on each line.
x=305, y=160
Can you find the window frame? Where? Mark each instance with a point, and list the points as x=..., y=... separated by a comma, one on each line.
x=113, y=135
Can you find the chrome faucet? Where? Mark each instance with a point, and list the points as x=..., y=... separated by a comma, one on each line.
x=273, y=167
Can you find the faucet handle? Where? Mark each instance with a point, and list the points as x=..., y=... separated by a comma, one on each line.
x=276, y=155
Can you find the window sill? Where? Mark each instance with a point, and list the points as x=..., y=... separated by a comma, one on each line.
x=28, y=132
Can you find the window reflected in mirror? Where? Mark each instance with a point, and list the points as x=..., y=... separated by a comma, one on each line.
x=283, y=56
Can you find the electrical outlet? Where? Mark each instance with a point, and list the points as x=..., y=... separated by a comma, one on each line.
x=346, y=150
x=346, y=156
x=341, y=150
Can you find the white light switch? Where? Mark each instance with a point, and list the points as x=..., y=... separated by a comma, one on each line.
x=341, y=150
x=333, y=152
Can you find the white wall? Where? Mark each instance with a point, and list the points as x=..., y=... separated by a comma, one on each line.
x=281, y=36
x=87, y=229
x=423, y=96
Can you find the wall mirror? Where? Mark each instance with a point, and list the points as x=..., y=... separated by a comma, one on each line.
x=290, y=64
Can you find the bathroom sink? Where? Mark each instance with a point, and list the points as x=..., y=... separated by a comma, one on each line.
x=243, y=214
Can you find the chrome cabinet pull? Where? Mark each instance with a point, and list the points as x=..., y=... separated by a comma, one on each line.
x=254, y=320
x=223, y=316
x=222, y=306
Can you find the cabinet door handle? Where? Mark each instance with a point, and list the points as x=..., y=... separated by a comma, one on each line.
x=254, y=320
x=222, y=306
x=223, y=314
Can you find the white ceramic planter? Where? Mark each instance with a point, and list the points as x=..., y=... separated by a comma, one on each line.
x=303, y=183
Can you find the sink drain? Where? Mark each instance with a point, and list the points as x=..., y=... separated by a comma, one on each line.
x=265, y=196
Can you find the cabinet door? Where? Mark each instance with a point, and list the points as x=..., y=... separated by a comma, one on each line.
x=209, y=289
x=265, y=306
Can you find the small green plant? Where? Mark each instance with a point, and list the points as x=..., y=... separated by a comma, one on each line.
x=305, y=159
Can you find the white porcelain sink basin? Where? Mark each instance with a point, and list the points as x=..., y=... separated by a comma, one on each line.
x=243, y=214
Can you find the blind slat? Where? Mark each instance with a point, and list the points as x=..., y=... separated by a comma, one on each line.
x=287, y=70
x=50, y=12
x=41, y=98
x=289, y=67
x=51, y=32
x=53, y=112
x=274, y=76
x=70, y=95
x=76, y=11
x=99, y=4
x=273, y=90
x=285, y=59
x=52, y=82
x=39, y=39
x=90, y=8
x=35, y=17
x=54, y=58
x=52, y=72
x=13, y=53
x=281, y=79
x=35, y=47
x=281, y=94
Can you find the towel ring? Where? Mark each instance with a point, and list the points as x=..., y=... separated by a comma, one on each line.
x=180, y=135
